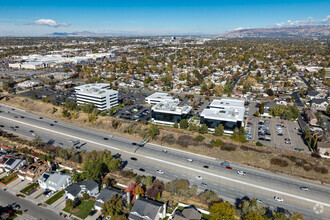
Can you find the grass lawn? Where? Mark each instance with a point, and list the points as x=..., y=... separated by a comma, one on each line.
x=30, y=187
x=7, y=179
x=55, y=197
x=82, y=210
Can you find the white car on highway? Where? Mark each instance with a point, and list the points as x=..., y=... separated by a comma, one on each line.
x=278, y=199
x=190, y=160
x=240, y=172
x=199, y=177
x=160, y=171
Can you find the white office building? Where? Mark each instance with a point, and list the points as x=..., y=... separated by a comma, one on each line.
x=158, y=97
x=228, y=112
x=99, y=94
x=169, y=112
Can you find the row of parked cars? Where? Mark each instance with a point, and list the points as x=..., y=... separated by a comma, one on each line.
x=129, y=114
x=263, y=130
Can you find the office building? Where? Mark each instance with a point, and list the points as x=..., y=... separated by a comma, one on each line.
x=99, y=94
x=228, y=112
x=158, y=97
x=168, y=112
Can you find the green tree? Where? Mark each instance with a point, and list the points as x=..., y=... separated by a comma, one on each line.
x=85, y=196
x=279, y=216
x=176, y=125
x=114, y=164
x=203, y=129
x=87, y=107
x=296, y=216
x=219, y=130
x=70, y=105
x=76, y=177
x=199, y=138
x=251, y=206
x=69, y=203
x=327, y=112
x=153, y=131
x=184, y=124
x=147, y=181
x=222, y=210
x=113, y=207
x=253, y=216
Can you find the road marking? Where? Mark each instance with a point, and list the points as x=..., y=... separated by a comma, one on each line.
x=178, y=165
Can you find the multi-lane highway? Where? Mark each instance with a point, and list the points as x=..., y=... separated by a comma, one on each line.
x=150, y=158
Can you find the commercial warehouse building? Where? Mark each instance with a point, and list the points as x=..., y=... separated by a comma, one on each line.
x=228, y=112
x=169, y=112
x=99, y=94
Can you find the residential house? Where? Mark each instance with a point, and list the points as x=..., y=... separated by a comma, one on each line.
x=107, y=193
x=32, y=172
x=147, y=209
x=189, y=213
x=313, y=95
x=76, y=190
x=54, y=181
x=13, y=164
x=267, y=106
x=4, y=149
x=320, y=103
x=310, y=117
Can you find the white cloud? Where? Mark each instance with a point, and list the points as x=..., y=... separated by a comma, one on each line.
x=50, y=23
x=308, y=21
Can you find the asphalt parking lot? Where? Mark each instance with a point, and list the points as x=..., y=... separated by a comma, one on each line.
x=290, y=138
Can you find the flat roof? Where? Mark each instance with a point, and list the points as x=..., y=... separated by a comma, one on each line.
x=226, y=102
x=231, y=113
x=171, y=108
x=96, y=89
x=161, y=95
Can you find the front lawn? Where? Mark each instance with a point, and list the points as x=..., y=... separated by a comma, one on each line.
x=82, y=210
x=29, y=188
x=55, y=197
x=7, y=179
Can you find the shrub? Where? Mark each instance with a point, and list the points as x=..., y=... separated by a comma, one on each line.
x=228, y=147
x=259, y=144
x=279, y=162
x=307, y=168
x=184, y=140
x=199, y=138
x=216, y=143
x=322, y=170
x=169, y=139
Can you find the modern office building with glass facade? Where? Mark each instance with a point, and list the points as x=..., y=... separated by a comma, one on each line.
x=169, y=112
x=228, y=112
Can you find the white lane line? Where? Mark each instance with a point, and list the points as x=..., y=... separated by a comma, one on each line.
x=178, y=165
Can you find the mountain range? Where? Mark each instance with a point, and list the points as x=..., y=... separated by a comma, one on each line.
x=278, y=32
x=297, y=31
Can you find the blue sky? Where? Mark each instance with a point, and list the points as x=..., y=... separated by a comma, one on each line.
x=22, y=17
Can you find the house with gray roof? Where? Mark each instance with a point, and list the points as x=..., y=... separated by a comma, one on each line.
x=13, y=164
x=76, y=190
x=321, y=103
x=147, y=209
x=107, y=193
x=54, y=181
x=188, y=213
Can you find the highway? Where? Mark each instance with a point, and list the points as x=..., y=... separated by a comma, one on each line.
x=227, y=183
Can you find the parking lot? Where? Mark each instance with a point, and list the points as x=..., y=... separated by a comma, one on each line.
x=274, y=132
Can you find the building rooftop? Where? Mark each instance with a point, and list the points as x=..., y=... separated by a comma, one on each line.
x=171, y=107
x=95, y=89
x=232, y=114
x=216, y=103
x=162, y=96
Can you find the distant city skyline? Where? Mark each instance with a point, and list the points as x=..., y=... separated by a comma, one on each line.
x=145, y=17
